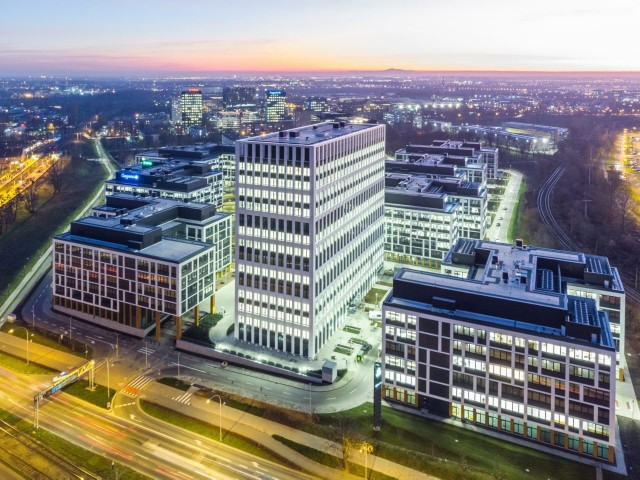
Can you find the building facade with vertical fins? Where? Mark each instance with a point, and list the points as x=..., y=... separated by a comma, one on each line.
x=309, y=231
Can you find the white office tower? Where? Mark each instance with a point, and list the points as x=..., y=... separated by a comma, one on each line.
x=309, y=231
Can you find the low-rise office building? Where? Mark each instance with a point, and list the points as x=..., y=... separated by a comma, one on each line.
x=424, y=217
x=182, y=173
x=131, y=264
x=479, y=163
x=505, y=346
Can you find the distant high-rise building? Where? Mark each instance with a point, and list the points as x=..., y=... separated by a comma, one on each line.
x=317, y=104
x=238, y=96
x=309, y=232
x=191, y=107
x=274, y=105
x=176, y=112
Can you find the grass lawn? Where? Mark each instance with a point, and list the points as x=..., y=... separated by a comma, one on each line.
x=97, y=464
x=375, y=295
x=19, y=365
x=433, y=447
x=47, y=338
x=515, y=228
x=98, y=396
x=332, y=461
x=206, y=430
x=31, y=234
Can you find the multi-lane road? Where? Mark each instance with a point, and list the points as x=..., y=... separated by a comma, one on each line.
x=150, y=446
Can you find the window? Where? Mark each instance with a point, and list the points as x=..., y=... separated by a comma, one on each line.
x=581, y=372
x=539, y=413
x=500, y=338
x=551, y=365
x=512, y=406
x=461, y=330
x=554, y=349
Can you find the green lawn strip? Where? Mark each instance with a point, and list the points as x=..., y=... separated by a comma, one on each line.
x=98, y=396
x=515, y=226
x=19, y=365
x=96, y=464
x=175, y=383
x=47, y=339
x=435, y=447
x=331, y=461
x=206, y=430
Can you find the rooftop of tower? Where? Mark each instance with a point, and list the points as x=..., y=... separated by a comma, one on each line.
x=311, y=134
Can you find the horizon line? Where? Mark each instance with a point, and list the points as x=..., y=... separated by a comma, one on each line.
x=186, y=73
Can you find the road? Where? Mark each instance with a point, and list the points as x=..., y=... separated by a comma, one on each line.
x=351, y=392
x=144, y=443
x=499, y=229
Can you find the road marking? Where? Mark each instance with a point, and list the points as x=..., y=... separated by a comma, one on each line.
x=267, y=388
x=331, y=398
x=353, y=391
x=190, y=368
x=286, y=393
x=184, y=398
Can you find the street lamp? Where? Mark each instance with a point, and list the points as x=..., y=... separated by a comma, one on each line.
x=366, y=448
x=26, y=338
x=219, y=413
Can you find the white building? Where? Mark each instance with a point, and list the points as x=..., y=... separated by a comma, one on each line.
x=424, y=217
x=502, y=341
x=309, y=231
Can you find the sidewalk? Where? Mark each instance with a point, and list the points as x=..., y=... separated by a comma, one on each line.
x=261, y=430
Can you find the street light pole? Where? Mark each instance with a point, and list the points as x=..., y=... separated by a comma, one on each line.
x=219, y=413
x=117, y=351
x=70, y=344
x=26, y=338
x=33, y=315
x=178, y=364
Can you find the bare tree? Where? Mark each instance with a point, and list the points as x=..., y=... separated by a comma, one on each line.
x=343, y=433
x=625, y=204
x=54, y=176
x=30, y=196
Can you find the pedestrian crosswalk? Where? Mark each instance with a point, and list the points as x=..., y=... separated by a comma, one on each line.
x=134, y=387
x=184, y=398
x=146, y=350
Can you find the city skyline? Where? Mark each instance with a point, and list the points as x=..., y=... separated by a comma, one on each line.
x=122, y=39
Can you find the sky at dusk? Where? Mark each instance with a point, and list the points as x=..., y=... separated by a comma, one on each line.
x=163, y=37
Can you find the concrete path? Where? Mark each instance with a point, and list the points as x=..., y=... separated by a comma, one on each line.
x=261, y=430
